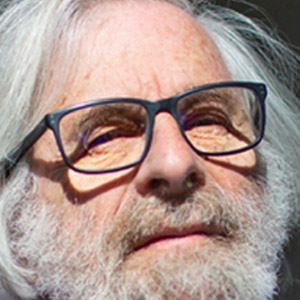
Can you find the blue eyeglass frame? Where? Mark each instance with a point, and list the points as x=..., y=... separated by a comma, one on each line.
x=51, y=121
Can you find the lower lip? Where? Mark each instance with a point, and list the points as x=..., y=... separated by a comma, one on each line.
x=167, y=243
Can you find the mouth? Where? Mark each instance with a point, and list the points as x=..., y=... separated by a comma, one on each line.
x=170, y=238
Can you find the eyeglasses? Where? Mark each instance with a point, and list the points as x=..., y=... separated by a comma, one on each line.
x=109, y=135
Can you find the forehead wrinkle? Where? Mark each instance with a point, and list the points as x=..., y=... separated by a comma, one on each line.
x=128, y=55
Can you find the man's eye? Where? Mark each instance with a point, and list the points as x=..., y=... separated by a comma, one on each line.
x=101, y=135
x=98, y=137
x=204, y=118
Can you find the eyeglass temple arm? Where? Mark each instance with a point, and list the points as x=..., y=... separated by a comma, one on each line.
x=9, y=162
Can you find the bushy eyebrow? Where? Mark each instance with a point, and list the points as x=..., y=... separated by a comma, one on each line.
x=219, y=99
x=107, y=113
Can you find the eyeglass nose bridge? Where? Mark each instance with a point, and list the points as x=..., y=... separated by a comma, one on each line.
x=165, y=105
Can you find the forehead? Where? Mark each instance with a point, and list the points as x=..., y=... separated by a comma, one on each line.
x=142, y=49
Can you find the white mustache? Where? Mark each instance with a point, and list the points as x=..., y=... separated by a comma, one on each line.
x=208, y=212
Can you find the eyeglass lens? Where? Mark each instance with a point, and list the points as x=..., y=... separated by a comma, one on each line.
x=220, y=120
x=113, y=135
x=104, y=137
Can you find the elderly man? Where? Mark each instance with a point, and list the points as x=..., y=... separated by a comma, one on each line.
x=132, y=166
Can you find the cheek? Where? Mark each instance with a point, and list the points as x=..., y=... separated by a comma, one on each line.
x=102, y=193
x=229, y=171
x=74, y=206
x=50, y=192
x=231, y=180
x=88, y=183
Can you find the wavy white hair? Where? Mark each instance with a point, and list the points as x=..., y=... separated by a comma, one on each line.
x=31, y=31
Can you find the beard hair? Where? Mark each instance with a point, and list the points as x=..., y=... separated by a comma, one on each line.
x=65, y=259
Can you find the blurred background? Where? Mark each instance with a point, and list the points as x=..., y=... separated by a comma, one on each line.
x=283, y=17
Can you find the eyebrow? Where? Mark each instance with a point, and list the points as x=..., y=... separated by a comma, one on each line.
x=106, y=112
x=218, y=99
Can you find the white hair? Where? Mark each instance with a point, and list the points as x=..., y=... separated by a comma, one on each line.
x=32, y=31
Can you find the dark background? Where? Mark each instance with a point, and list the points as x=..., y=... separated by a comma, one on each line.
x=283, y=16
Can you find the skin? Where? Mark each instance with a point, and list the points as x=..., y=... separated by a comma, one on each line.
x=129, y=50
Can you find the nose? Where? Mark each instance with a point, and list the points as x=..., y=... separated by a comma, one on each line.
x=171, y=167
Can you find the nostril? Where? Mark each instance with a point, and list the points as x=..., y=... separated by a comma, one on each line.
x=156, y=183
x=193, y=180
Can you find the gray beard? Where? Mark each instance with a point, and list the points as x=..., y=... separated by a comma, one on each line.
x=62, y=259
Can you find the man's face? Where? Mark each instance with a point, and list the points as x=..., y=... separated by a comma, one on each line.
x=178, y=225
